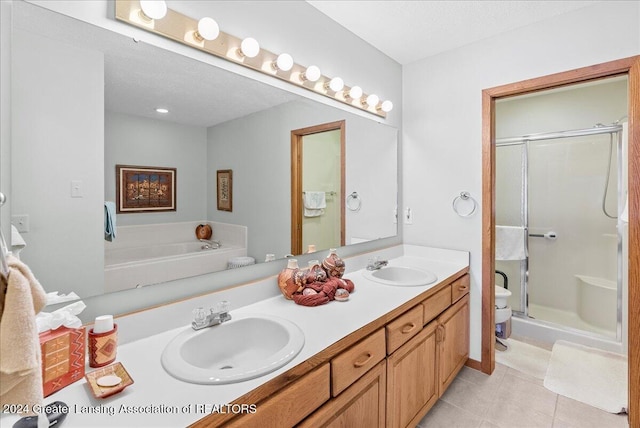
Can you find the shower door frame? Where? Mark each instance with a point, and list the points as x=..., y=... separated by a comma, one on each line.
x=524, y=209
x=626, y=66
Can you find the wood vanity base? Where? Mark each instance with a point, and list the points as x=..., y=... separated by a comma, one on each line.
x=388, y=373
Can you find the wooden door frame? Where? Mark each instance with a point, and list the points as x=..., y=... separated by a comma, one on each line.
x=296, y=180
x=631, y=67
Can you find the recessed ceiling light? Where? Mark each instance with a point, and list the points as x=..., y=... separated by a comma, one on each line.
x=162, y=110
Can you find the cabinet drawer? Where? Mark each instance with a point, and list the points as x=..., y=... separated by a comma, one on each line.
x=459, y=288
x=403, y=328
x=435, y=304
x=285, y=407
x=356, y=361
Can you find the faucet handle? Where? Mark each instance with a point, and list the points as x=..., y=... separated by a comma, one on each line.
x=199, y=314
x=223, y=307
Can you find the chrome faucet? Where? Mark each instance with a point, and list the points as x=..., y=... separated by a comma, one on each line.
x=209, y=244
x=202, y=319
x=375, y=263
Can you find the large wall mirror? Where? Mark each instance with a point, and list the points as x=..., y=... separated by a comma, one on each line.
x=83, y=102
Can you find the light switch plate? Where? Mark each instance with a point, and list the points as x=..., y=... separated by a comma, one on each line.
x=408, y=216
x=76, y=189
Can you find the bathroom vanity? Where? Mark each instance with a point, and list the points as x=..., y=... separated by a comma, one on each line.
x=381, y=358
x=389, y=377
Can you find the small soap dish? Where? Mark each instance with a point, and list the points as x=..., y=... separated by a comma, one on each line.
x=104, y=381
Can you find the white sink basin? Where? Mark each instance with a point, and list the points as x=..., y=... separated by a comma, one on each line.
x=244, y=348
x=401, y=276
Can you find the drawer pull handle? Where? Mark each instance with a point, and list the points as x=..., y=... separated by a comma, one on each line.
x=462, y=287
x=363, y=362
x=408, y=328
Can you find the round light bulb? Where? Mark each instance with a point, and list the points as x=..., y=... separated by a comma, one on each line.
x=250, y=47
x=154, y=9
x=386, y=106
x=208, y=28
x=355, y=92
x=284, y=62
x=336, y=84
x=312, y=73
x=372, y=100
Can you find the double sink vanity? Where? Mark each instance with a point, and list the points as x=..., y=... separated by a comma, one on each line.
x=381, y=358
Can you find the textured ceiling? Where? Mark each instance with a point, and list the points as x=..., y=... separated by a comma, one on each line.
x=408, y=31
x=140, y=77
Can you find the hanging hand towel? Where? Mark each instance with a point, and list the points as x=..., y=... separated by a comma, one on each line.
x=109, y=221
x=20, y=360
x=314, y=203
x=510, y=243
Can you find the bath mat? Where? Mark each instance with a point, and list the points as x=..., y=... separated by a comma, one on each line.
x=588, y=375
x=525, y=358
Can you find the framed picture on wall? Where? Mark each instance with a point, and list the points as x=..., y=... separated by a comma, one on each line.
x=225, y=189
x=145, y=189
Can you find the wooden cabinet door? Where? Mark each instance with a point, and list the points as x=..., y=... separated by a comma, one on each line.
x=360, y=405
x=412, y=386
x=453, y=335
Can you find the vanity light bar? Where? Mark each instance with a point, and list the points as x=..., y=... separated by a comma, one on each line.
x=184, y=29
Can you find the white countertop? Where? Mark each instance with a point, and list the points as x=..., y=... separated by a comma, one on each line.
x=157, y=399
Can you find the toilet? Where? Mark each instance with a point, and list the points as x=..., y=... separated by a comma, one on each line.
x=503, y=311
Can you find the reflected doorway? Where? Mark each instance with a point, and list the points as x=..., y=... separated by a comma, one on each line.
x=317, y=187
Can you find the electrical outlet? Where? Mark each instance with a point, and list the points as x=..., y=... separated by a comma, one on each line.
x=408, y=216
x=21, y=222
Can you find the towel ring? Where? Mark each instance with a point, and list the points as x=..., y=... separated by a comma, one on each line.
x=464, y=196
x=354, y=202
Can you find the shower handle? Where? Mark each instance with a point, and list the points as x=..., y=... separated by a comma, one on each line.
x=549, y=235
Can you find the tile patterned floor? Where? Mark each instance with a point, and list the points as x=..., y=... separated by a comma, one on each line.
x=511, y=399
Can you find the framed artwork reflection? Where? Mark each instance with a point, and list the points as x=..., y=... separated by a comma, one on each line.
x=225, y=189
x=145, y=189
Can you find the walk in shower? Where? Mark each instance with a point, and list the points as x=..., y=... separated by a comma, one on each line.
x=563, y=193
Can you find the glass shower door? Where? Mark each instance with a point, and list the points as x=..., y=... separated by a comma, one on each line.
x=572, y=193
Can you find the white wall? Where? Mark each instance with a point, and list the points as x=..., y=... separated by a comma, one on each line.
x=134, y=140
x=58, y=114
x=582, y=106
x=257, y=149
x=372, y=164
x=442, y=120
x=5, y=115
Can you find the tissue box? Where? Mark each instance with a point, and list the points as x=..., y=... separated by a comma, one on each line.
x=63, y=357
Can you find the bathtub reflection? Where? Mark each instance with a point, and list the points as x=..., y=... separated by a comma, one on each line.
x=150, y=254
